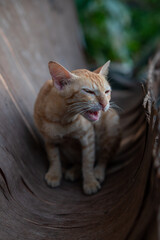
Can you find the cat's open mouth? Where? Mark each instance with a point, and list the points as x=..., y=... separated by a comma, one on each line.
x=92, y=115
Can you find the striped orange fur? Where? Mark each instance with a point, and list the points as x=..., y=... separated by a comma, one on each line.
x=74, y=107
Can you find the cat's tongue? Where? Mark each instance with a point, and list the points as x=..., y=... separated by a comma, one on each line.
x=94, y=116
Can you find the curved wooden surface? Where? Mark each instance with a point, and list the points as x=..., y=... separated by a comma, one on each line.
x=31, y=34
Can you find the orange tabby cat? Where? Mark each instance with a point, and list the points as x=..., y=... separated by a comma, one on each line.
x=75, y=105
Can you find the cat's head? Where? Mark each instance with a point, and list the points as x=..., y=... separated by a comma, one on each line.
x=85, y=92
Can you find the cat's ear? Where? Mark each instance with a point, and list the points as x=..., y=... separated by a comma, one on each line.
x=104, y=69
x=60, y=75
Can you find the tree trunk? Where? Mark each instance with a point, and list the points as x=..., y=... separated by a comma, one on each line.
x=31, y=34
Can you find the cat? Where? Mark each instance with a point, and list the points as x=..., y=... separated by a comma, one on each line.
x=76, y=106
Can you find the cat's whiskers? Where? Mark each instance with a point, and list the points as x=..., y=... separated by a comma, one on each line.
x=80, y=108
x=74, y=110
x=115, y=106
x=77, y=105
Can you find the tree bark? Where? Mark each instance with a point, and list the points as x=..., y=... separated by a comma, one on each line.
x=31, y=34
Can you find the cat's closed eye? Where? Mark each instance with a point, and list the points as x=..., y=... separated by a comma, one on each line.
x=88, y=91
x=107, y=91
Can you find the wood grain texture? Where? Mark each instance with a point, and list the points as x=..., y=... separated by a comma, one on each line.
x=32, y=33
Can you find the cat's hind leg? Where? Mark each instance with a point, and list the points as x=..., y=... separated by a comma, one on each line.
x=73, y=173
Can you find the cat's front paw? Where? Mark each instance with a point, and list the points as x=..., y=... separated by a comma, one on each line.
x=91, y=186
x=99, y=173
x=52, y=180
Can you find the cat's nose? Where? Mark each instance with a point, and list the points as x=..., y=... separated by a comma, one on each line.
x=103, y=106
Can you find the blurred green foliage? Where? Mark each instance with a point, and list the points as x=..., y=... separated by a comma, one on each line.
x=118, y=30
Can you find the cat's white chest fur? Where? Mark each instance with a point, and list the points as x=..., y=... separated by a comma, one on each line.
x=58, y=132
